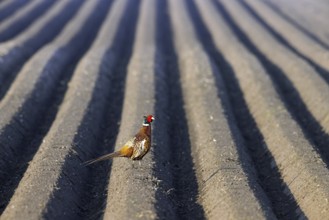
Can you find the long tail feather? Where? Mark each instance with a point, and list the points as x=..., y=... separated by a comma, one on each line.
x=104, y=157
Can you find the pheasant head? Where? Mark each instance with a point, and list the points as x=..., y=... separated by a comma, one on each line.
x=148, y=120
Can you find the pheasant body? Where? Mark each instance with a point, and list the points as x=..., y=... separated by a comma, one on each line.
x=136, y=148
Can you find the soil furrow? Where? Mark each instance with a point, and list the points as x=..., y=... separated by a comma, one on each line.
x=31, y=93
x=293, y=154
x=303, y=88
x=315, y=130
x=9, y=8
x=238, y=89
x=22, y=19
x=139, y=189
x=262, y=99
x=182, y=185
x=217, y=148
x=18, y=50
x=94, y=198
x=308, y=16
x=262, y=158
x=76, y=130
x=14, y=174
x=308, y=50
x=296, y=25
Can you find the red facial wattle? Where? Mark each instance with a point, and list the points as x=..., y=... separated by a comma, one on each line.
x=149, y=118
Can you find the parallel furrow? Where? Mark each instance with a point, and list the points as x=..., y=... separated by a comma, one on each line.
x=304, y=91
x=304, y=47
x=75, y=133
x=238, y=89
x=32, y=142
x=280, y=150
x=183, y=188
x=22, y=19
x=308, y=16
x=9, y=8
x=32, y=92
x=217, y=148
x=15, y=52
x=137, y=190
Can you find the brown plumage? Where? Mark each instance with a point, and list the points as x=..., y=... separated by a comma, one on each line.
x=135, y=148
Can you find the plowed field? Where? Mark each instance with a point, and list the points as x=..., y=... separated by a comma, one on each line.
x=239, y=90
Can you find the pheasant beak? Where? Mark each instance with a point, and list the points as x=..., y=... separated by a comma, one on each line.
x=153, y=118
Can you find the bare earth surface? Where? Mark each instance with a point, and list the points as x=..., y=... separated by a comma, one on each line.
x=239, y=90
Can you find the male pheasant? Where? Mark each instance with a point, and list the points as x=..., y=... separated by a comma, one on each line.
x=135, y=148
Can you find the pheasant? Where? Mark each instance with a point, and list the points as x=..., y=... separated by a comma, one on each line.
x=135, y=148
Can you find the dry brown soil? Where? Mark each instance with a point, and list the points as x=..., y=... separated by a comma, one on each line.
x=239, y=90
